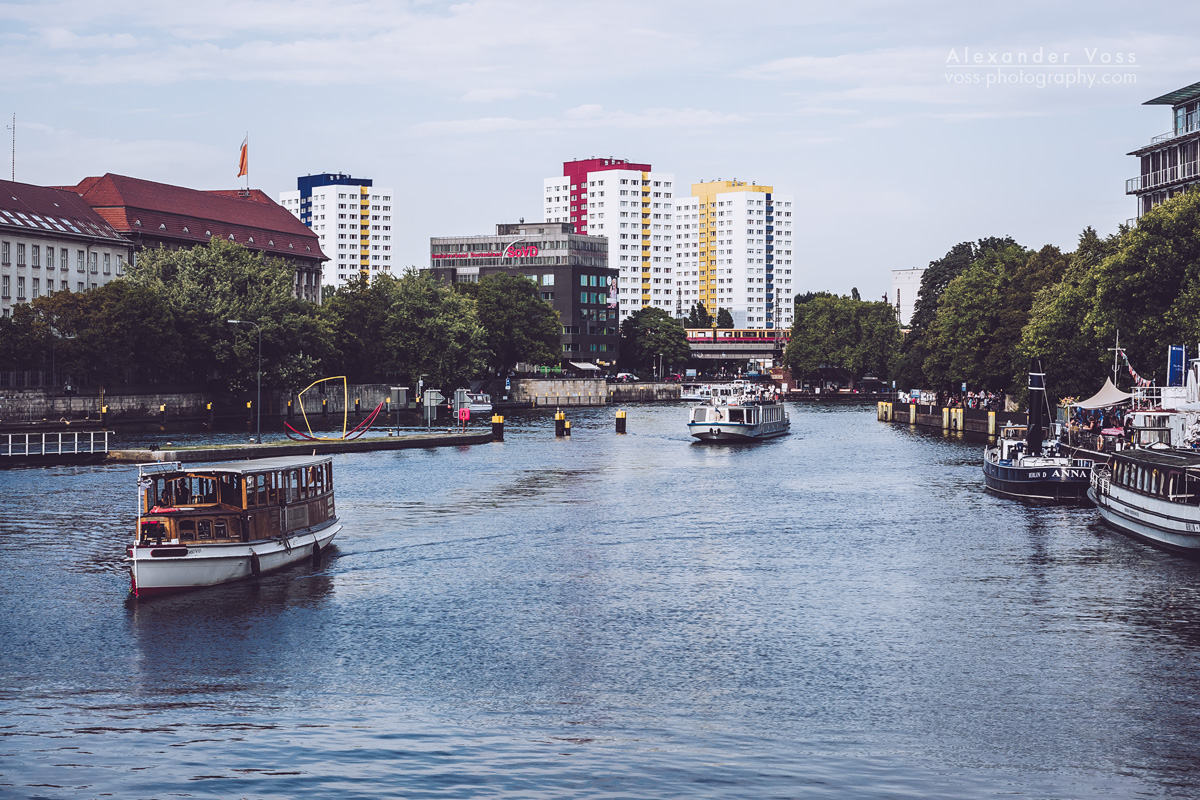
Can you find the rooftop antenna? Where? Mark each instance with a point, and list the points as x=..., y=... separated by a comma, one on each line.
x=13, y=128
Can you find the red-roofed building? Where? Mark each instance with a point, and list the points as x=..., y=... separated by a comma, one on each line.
x=161, y=215
x=50, y=241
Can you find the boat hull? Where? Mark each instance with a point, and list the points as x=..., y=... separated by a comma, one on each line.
x=735, y=432
x=1166, y=530
x=1058, y=484
x=213, y=564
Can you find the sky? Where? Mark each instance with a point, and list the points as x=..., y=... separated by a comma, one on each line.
x=895, y=142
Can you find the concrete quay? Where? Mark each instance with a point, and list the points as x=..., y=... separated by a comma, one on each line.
x=240, y=452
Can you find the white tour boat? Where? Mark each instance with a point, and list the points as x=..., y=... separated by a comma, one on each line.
x=1153, y=494
x=747, y=416
x=205, y=525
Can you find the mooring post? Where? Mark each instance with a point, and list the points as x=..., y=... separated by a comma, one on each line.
x=497, y=428
x=560, y=423
x=620, y=422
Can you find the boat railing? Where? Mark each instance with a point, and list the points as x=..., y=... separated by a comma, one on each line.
x=47, y=443
x=1100, y=479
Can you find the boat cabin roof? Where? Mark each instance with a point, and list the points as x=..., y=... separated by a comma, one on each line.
x=256, y=465
x=1168, y=459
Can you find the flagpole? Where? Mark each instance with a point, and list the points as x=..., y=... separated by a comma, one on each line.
x=247, y=161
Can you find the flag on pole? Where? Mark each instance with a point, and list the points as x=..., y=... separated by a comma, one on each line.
x=244, y=160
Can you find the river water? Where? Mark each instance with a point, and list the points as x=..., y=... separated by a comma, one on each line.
x=841, y=613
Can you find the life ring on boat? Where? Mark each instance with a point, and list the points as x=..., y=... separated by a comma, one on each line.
x=255, y=564
x=316, y=555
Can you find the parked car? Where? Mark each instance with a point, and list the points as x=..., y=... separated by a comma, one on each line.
x=674, y=378
x=626, y=377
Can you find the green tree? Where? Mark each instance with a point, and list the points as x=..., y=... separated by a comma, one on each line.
x=432, y=332
x=698, y=316
x=518, y=324
x=206, y=285
x=842, y=338
x=1149, y=289
x=916, y=347
x=359, y=317
x=1058, y=331
x=650, y=333
x=724, y=318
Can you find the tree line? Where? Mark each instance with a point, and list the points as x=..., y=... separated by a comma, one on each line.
x=167, y=323
x=987, y=309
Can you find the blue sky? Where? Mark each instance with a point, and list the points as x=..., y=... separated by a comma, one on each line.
x=894, y=148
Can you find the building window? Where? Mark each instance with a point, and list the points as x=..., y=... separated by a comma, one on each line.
x=20, y=288
x=80, y=285
x=120, y=265
x=79, y=264
x=20, y=255
x=93, y=263
x=5, y=288
x=35, y=257
x=37, y=288
x=108, y=263
x=4, y=253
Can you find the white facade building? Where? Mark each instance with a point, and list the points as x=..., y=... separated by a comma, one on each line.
x=734, y=249
x=633, y=207
x=906, y=285
x=353, y=219
x=52, y=241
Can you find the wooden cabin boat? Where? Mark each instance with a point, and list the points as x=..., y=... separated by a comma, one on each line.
x=205, y=525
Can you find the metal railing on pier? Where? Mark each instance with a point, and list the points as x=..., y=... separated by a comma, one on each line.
x=17, y=446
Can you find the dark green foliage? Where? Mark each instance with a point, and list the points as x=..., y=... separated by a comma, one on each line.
x=724, y=318
x=648, y=333
x=518, y=324
x=842, y=338
x=698, y=317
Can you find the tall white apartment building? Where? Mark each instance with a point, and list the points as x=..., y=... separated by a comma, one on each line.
x=631, y=205
x=733, y=249
x=353, y=219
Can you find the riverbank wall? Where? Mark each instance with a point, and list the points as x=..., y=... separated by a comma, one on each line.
x=966, y=420
x=161, y=408
x=567, y=392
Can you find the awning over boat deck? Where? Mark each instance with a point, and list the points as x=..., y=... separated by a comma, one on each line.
x=584, y=365
x=1109, y=395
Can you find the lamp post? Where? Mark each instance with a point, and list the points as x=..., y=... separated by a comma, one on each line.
x=258, y=402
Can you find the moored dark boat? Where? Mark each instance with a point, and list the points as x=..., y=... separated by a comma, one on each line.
x=1022, y=465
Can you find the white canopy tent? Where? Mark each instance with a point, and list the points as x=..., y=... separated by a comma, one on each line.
x=1109, y=395
x=584, y=366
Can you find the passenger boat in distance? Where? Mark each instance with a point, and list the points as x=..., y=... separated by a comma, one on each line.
x=748, y=416
x=1152, y=494
x=1021, y=464
x=205, y=525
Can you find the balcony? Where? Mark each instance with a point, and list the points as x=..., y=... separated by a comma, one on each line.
x=1163, y=177
x=1192, y=125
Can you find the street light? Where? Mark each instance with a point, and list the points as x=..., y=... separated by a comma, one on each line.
x=258, y=403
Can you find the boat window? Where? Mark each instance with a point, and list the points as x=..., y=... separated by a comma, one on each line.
x=204, y=529
x=220, y=530
x=260, y=483
x=273, y=488
x=187, y=529
x=230, y=491
x=293, y=485
x=329, y=475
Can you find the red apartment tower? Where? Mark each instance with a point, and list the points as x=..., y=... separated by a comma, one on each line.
x=578, y=171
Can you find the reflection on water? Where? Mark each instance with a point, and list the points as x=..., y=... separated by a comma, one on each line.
x=842, y=612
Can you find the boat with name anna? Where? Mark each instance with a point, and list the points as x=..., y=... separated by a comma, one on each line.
x=748, y=415
x=206, y=525
x=1022, y=464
